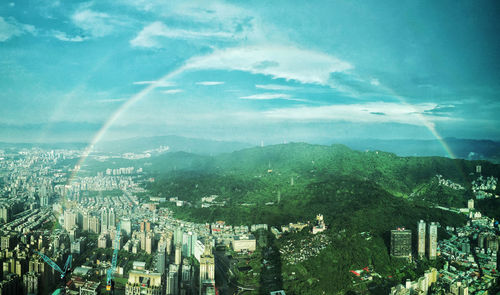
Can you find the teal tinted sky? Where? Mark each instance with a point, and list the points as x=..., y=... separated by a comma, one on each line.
x=249, y=70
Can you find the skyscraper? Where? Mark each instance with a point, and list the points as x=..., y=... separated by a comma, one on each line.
x=207, y=269
x=104, y=220
x=421, y=239
x=401, y=242
x=126, y=226
x=111, y=219
x=432, y=240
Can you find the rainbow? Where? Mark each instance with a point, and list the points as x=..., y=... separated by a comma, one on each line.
x=131, y=101
x=116, y=114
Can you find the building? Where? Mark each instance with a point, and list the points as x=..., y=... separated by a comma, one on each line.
x=401, y=242
x=207, y=270
x=244, y=243
x=89, y=288
x=95, y=225
x=432, y=240
x=144, y=282
x=470, y=204
x=102, y=241
x=69, y=219
x=421, y=239
x=126, y=226
x=104, y=220
x=178, y=254
x=111, y=219
x=31, y=283
x=149, y=243
x=172, y=280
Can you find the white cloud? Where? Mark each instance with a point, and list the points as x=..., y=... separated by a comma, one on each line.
x=209, y=83
x=95, y=23
x=374, y=112
x=157, y=83
x=287, y=62
x=375, y=82
x=172, y=91
x=270, y=96
x=10, y=27
x=64, y=37
x=276, y=87
x=150, y=34
x=111, y=100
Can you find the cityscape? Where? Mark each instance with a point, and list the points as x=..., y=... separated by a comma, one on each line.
x=329, y=147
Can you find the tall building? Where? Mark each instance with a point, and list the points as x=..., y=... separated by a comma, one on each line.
x=111, y=219
x=178, y=254
x=207, y=270
x=69, y=219
x=149, y=243
x=401, y=242
x=86, y=222
x=126, y=226
x=172, y=280
x=432, y=240
x=421, y=239
x=95, y=225
x=104, y=220
x=31, y=283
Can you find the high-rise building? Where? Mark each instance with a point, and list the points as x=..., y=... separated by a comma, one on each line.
x=149, y=243
x=111, y=219
x=207, y=270
x=126, y=226
x=421, y=239
x=178, y=254
x=432, y=240
x=86, y=222
x=401, y=242
x=172, y=280
x=31, y=283
x=95, y=225
x=104, y=220
x=69, y=219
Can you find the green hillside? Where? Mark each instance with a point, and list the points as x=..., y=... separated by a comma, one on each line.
x=362, y=195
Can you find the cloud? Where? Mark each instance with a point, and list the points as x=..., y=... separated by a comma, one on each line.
x=172, y=91
x=375, y=82
x=10, y=27
x=157, y=83
x=64, y=37
x=287, y=62
x=276, y=87
x=111, y=100
x=374, y=112
x=209, y=83
x=95, y=23
x=270, y=96
x=149, y=36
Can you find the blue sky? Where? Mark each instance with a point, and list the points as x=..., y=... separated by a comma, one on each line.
x=249, y=70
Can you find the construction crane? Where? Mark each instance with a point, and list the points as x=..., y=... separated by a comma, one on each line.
x=110, y=284
x=67, y=266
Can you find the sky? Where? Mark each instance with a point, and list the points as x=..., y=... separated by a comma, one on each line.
x=249, y=71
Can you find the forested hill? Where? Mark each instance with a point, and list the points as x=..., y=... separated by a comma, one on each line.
x=303, y=162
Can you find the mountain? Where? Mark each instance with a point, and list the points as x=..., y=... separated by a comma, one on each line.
x=174, y=144
x=470, y=149
x=362, y=196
